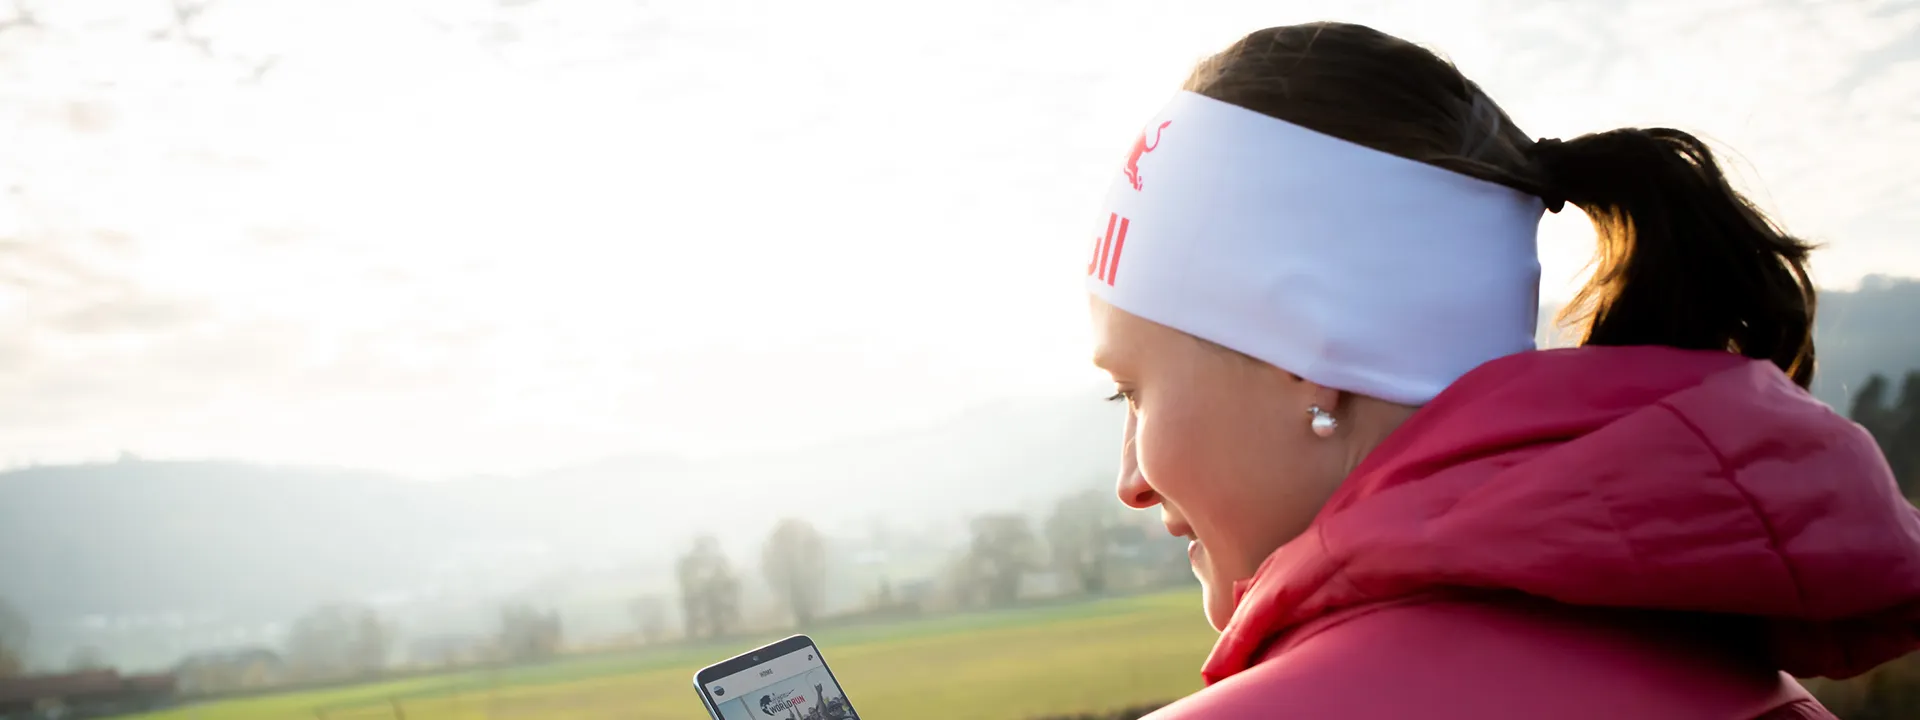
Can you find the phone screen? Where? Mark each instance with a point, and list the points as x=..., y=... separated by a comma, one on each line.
x=788, y=681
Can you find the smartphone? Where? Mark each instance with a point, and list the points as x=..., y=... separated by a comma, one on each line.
x=785, y=680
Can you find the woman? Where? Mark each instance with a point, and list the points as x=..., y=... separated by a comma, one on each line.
x=1315, y=287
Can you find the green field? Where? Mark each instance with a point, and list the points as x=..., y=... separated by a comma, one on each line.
x=1012, y=664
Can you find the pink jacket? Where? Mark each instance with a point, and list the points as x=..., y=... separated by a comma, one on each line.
x=1591, y=533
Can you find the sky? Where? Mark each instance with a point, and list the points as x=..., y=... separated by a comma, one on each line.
x=442, y=237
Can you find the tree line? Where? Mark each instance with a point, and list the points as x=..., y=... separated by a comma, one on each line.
x=1894, y=422
x=1083, y=541
x=331, y=643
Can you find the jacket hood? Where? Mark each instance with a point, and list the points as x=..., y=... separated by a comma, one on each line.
x=1639, y=477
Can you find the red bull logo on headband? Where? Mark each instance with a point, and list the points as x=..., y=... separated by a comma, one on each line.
x=1140, y=147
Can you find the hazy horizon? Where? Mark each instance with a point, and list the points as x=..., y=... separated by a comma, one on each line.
x=487, y=237
x=1090, y=394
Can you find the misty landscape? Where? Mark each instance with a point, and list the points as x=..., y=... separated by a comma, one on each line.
x=513, y=359
x=148, y=562
x=210, y=555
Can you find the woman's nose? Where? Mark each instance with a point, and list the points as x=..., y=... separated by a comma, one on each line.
x=1132, y=486
x=1134, y=490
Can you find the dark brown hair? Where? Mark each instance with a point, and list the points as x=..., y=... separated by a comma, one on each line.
x=1683, y=261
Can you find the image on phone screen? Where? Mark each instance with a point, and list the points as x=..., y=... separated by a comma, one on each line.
x=788, y=681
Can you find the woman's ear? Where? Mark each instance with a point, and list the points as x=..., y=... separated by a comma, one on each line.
x=1316, y=395
x=1325, y=398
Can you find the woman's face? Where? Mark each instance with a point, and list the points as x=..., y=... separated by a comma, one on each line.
x=1220, y=442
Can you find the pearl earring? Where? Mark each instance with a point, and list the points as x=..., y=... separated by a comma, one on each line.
x=1323, y=422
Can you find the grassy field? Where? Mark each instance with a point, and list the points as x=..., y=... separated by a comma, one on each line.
x=1012, y=664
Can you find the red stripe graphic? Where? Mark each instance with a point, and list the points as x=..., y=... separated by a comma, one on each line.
x=1094, y=261
x=1106, y=246
x=1113, y=268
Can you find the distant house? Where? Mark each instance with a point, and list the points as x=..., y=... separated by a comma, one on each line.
x=223, y=671
x=94, y=693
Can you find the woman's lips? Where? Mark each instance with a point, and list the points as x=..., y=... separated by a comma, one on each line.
x=1180, y=529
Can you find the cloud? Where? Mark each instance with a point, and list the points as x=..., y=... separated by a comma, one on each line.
x=78, y=284
x=1811, y=105
x=15, y=353
x=709, y=222
x=1903, y=46
x=34, y=266
x=129, y=311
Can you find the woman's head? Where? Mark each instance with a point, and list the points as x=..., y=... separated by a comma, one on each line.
x=1222, y=441
x=1222, y=444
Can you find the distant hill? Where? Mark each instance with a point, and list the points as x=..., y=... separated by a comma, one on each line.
x=1875, y=329
x=177, y=544
x=147, y=537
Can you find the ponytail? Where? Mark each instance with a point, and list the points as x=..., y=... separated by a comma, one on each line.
x=1683, y=260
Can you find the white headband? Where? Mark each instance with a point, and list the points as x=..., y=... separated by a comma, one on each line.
x=1356, y=269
